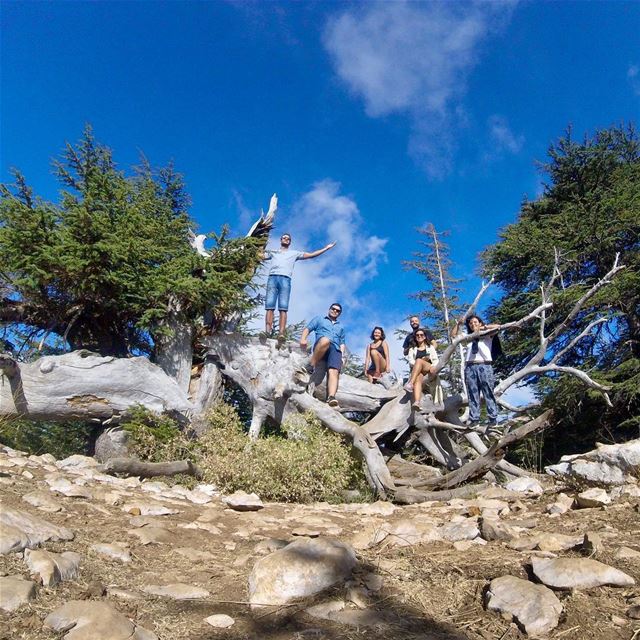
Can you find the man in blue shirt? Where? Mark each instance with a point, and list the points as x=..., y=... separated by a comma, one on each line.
x=281, y=264
x=329, y=347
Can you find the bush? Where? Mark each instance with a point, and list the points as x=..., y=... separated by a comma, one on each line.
x=61, y=439
x=306, y=463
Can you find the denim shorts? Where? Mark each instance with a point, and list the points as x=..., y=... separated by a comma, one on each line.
x=278, y=288
x=333, y=357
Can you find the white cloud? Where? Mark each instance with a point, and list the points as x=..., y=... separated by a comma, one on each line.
x=633, y=75
x=503, y=138
x=414, y=59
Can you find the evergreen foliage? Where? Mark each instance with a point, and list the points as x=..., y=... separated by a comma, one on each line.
x=589, y=211
x=100, y=267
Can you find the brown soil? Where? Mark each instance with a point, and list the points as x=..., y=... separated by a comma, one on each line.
x=430, y=591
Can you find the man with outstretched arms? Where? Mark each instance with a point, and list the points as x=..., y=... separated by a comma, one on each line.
x=329, y=346
x=281, y=264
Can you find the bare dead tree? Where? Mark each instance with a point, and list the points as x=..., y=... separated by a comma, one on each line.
x=87, y=386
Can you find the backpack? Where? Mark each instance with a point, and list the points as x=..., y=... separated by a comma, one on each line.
x=496, y=348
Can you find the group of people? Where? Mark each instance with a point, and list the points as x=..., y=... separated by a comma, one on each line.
x=419, y=346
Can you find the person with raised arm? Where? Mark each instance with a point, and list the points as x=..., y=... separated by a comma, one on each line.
x=281, y=264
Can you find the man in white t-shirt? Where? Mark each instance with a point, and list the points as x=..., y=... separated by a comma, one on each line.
x=478, y=372
x=281, y=264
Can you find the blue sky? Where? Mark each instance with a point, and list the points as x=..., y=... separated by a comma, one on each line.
x=368, y=119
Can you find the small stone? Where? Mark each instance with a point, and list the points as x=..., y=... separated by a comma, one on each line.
x=53, y=568
x=117, y=551
x=634, y=612
x=625, y=553
x=153, y=535
x=578, y=573
x=562, y=504
x=242, y=501
x=495, y=530
x=123, y=594
x=325, y=609
x=15, y=591
x=140, y=508
x=618, y=620
x=70, y=489
x=369, y=536
x=593, y=498
x=358, y=596
x=592, y=544
x=534, y=607
x=526, y=485
x=42, y=501
x=177, y=591
x=90, y=620
x=306, y=532
x=558, y=541
x=465, y=530
x=373, y=581
x=220, y=621
x=358, y=617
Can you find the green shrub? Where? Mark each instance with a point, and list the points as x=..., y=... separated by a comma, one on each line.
x=309, y=464
x=305, y=464
x=61, y=439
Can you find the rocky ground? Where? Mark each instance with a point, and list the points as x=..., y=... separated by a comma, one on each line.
x=116, y=559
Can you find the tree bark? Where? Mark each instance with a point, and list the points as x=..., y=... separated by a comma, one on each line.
x=133, y=467
x=84, y=386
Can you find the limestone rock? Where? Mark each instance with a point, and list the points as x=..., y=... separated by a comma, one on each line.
x=558, y=541
x=465, y=530
x=592, y=543
x=593, y=498
x=562, y=504
x=76, y=461
x=626, y=553
x=67, y=488
x=153, y=535
x=117, y=551
x=12, y=539
x=15, y=591
x=526, y=485
x=177, y=591
x=405, y=533
x=148, y=508
x=613, y=464
x=242, y=501
x=358, y=618
x=53, y=568
x=34, y=530
x=324, y=610
x=94, y=620
x=379, y=508
x=534, y=607
x=269, y=545
x=578, y=573
x=491, y=529
x=220, y=621
x=303, y=568
x=42, y=501
x=369, y=536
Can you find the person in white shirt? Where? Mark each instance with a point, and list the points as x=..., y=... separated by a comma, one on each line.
x=281, y=264
x=478, y=371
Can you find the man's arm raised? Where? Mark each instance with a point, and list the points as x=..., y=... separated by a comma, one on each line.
x=319, y=252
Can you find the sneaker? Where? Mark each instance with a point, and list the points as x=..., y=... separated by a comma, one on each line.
x=281, y=339
x=308, y=367
x=408, y=387
x=332, y=402
x=472, y=424
x=416, y=407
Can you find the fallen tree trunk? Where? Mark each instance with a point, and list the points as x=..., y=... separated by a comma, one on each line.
x=133, y=467
x=409, y=495
x=84, y=386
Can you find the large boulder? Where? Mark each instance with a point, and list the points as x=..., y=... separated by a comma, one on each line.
x=608, y=464
x=302, y=568
x=578, y=573
x=534, y=607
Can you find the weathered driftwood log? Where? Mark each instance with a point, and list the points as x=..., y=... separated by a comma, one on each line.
x=133, y=467
x=83, y=385
x=409, y=495
x=494, y=454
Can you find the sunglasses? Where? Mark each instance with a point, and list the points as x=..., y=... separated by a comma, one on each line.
x=336, y=309
x=418, y=335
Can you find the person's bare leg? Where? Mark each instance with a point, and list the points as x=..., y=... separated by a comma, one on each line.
x=417, y=369
x=333, y=376
x=378, y=362
x=268, y=321
x=282, y=323
x=417, y=389
x=320, y=350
